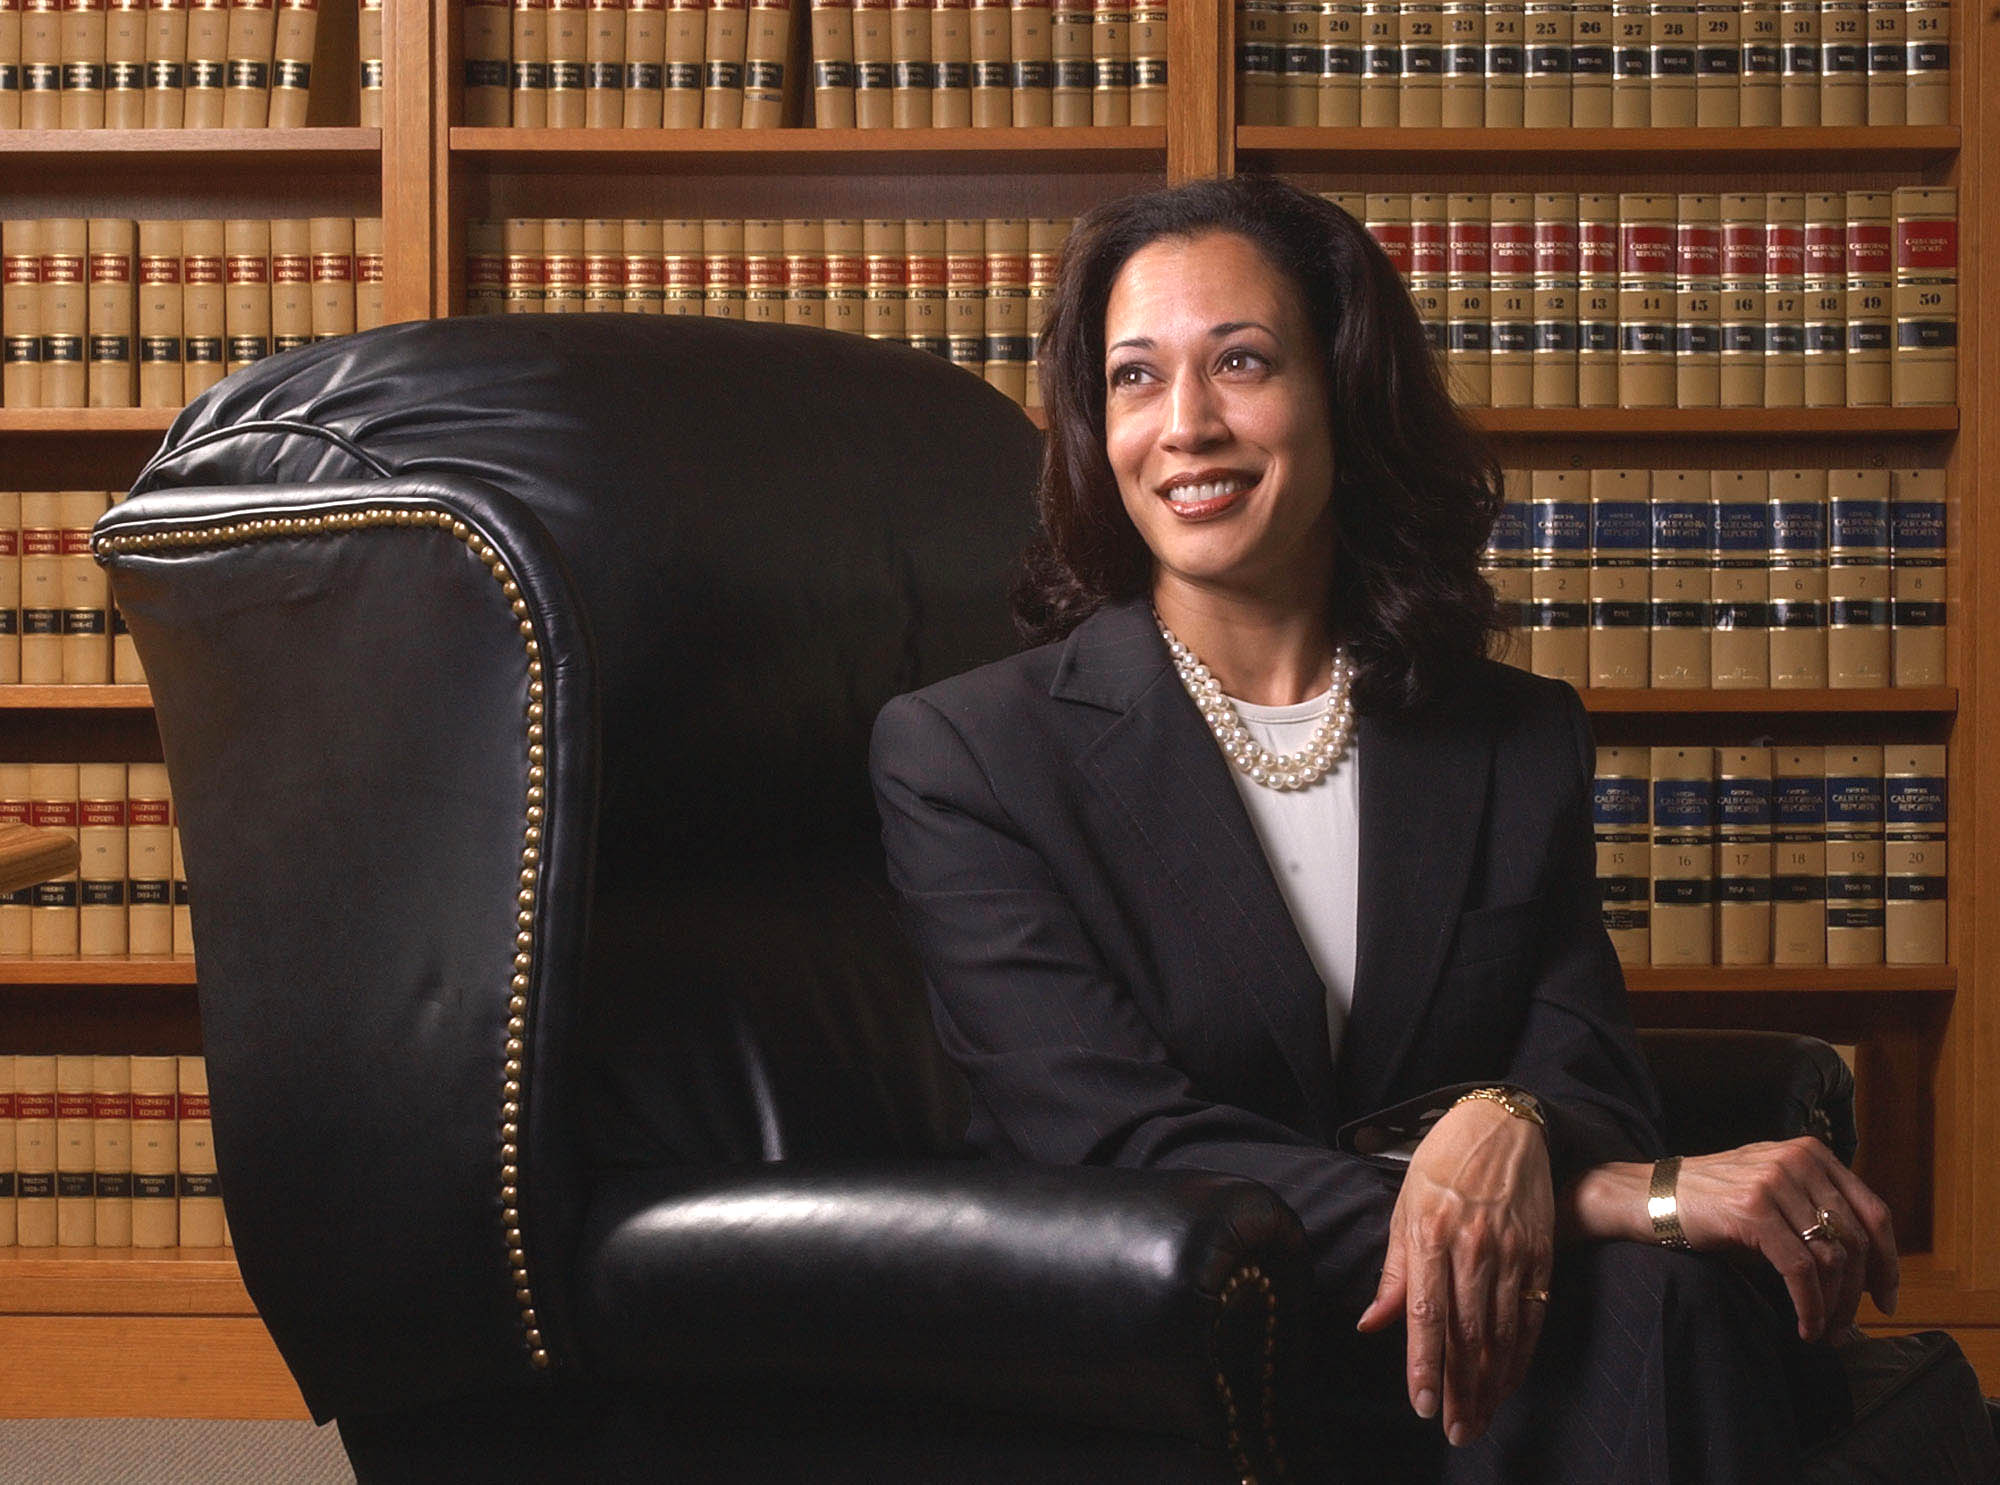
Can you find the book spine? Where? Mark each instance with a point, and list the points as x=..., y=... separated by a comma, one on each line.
x=124, y=64
x=41, y=64
x=568, y=70
x=832, y=30
x=246, y=303
x=1646, y=264
x=1739, y=651
x=1545, y=91
x=1559, y=527
x=1070, y=23
x=1826, y=299
x=291, y=283
x=766, y=64
x=65, y=312
x=1798, y=76
x=1887, y=58
x=640, y=243
x=166, y=63
x=373, y=63
x=1462, y=91
x=155, y=1153
x=1784, y=300
x=1592, y=63
x=1925, y=373
x=41, y=588
x=10, y=73
x=21, y=312
x=1798, y=579
x=10, y=591
x=1927, y=63
x=86, y=590
x=204, y=279
x=910, y=58
x=16, y=907
x=1597, y=295
x=1857, y=578
x=924, y=285
x=528, y=71
x=126, y=669
x=1683, y=538
x=1511, y=299
x=1420, y=44
x=1553, y=381
x=846, y=275
x=1007, y=349
x=1718, y=84
x=489, y=54
x=111, y=311
x=76, y=1154
x=1468, y=303
x=603, y=265
x=1620, y=577
x=199, y=1191
x=35, y=1151
x=562, y=266
x=875, y=64
x=1683, y=835
x=1871, y=336
x=81, y=39
x=1631, y=64
x=1917, y=545
x=1032, y=69
x=521, y=247
x=1506, y=64
x=1915, y=884
x=1843, y=63
x=1046, y=238
x=159, y=314
x=1621, y=822
x=149, y=857
x=685, y=45
x=1111, y=62
x=9, y=1166
x=645, y=73
x=951, y=65
x=206, y=71
x=1698, y=301
x=805, y=273
x=1762, y=79
x=1740, y=378
x=370, y=273
x=183, y=921
x=1507, y=565
x=1415, y=232
x=722, y=270
x=1381, y=65
x=764, y=271
x=52, y=927
x=965, y=293
x=604, y=65
x=1743, y=855
x=246, y=99
x=111, y=1160
x=1259, y=62
x=1149, y=61
x=331, y=243
x=1854, y=821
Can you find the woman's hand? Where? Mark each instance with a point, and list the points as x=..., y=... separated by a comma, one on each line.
x=1473, y=1231
x=1763, y=1199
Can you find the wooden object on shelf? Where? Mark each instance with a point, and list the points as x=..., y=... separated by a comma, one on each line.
x=29, y=855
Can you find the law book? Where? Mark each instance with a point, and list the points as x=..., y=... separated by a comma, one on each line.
x=831, y=27
x=10, y=74
x=965, y=293
x=1646, y=267
x=640, y=250
x=1857, y=578
x=1462, y=90
x=1843, y=63
x=1031, y=70
x=9, y=1233
x=166, y=58
x=1148, y=72
x=1621, y=542
x=1071, y=69
x=1698, y=301
x=1621, y=822
x=874, y=65
x=1415, y=234
x=1798, y=865
x=370, y=55
x=1553, y=379
x=764, y=271
x=1798, y=579
x=1924, y=373
x=1888, y=42
x=1917, y=537
x=41, y=64
x=111, y=311
x=604, y=65
x=1798, y=76
x=206, y=70
x=1008, y=350
x=1592, y=64
x=603, y=265
x=568, y=71
x=198, y=1188
x=846, y=260
x=1259, y=62
x=1784, y=300
x=158, y=314
x=41, y=588
x=330, y=241
x=246, y=101
x=1915, y=882
x=1111, y=61
x=562, y=265
x=1718, y=102
x=1743, y=855
x=126, y=669
x=1631, y=64
x=76, y=1154
x=1739, y=649
x=1683, y=532
x=1740, y=371
x=1826, y=299
x=183, y=922
x=17, y=907
x=1299, y=56
x=521, y=250
x=924, y=285
x=486, y=44
x=21, y=312
x=52, y=927
x=722, y=269
x=204, y=280
x=1761, y=78
x=86, y=590
x=1507, y=565
x=1545, y=90
x=805, y=273
x=81, y=39
x=766, y=64
x=951, y=64
x=155, y=1152
x=1672, y=38
x=1854, y=859
x=10, y=588
x=111, y=1153
x=1420, y=45
x=1597, y=291
x=680, y=266
x=886, y=268
x=35, y=1151
x=1927, y=63
x=65, y=312
x=1046, y=238
x=370, y=274
x=149, y=863
x=291, y=283
x=1559, y=527
x=246, y=299
x=1683, y=856
x=528, y=71
x=686, y=43
x=1871, y=256
x=1468, y=302
x=989, y=55
x=1505, y=104
x=124, y=64
x=1381, y=65
x=1511, y=299
x=645, y=71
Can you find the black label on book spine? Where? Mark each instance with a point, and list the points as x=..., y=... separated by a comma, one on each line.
x=110, y=348
x=71, y=1184
x=651, y=77
x=1624, y=889
x=1683, y=891
x=60, y=348
x=769, y=76
x=157, y=350
x=1917, y=889
x=204, y=350
x=530, y=77
x=245, y=73
x=153, y=1187
x=1034, y=74
x=39, y=77
x=84, y=621
x=121, y=77
x=604, y=75
x=206, y=75
x=248, y=347
x=1912, y=614
x=565, y=77
x=55, y=894
x=83, y=77
x=37, y=1184
x=1843, y=916
x=485, y=72
x=114, y=1184
x=23, y=350
x=164, y=77
x=199, y=1185
x=1719, y=61
x=41, y=622
x=1743, y=891
x=833, y=74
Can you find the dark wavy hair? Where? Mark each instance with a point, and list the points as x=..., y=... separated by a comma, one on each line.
x=1416, y=489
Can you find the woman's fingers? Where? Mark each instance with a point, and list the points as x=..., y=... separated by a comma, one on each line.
x=1881, y=1267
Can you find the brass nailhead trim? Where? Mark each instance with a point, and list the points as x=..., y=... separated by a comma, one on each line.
x=522, y=962
x=1252, y=1277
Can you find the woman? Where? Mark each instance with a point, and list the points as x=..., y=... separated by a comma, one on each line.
x=1259, y=866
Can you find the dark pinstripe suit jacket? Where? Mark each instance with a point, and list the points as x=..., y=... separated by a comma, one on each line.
x=1114, y=970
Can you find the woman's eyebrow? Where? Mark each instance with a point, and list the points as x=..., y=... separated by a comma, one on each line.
x=1216, y=332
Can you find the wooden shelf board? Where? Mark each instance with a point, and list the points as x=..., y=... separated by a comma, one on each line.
x=216, y=150
x=75, y=698
x=87, y=420
x=142, y=969
x=1760, y=422
x=819, y=151
x=1921, y=700
x=1846, y=149
x=1792, y=979
x=121, y=1281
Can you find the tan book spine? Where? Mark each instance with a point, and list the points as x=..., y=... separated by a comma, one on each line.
x=370, y=272
x=767, y=62
x=199, y=1191
x=1718, y=102
x=331, y=243
x=604, y=65
x=1597, y=337
x=1506, y=63
x=124, y=64
x=1462, y=89
x=1740, y=377
x=1683, y=926
x=1415, y=231
x=1468, y=300
x=805, y=272
x=1073, y=72
x=76, y=1153
x=687, y=40
x=111, y=1155
x=951, y=64
x=35, y=1151
x=1843, y=63
x=207, y=68
x=991, y=56
x=1632, y=64
x=562, y=265
x=722, y=270
x=1545, y=100
x=640, y=252
x=1887, y=60
x=246, y=101
x=1621, y=816
x=10, y=118
x=1621, y=547
x=1698, y=301
x=155, y=1153
x=1511, y=299
x=725, y=39
x=65, y=311
x=81, y=37
x=246, y=303
x=1925, y=371
x=16, y=907
x=1798, y=579
x=910, y=64
x=112, y=311
x=521, y=247
x=41, y=588
x=886, y=315
x=1298, y=62
x=370, y=54
x=1739, y=651
x=1046, y=237
x=1508, y=567
x=603, y=265
x=924, y=285
x=1646, y=268
x=1260, y=62
x=41, y=64
x=291, y=283
x=1592, y=64
x=149, y=856
x=1553, y=376
x=9, y=1165
x=1033, y=69
x=1381, y=66
x=183, y=922
x=1560, y=586
x=529, y=70
x=1149, y=62
x=1785, y=299
x=159, y=314
x=1854, y=860
x=1917, y=544
x=846, y=275
x=1339, y=103
x=101, y=837
x=1915, y=883
x=681, y=268
x=21, y=312
x=10, y=597
x=764, y=271
x=568, y=64
x=487, y=43
x=1927, y=63
x=965, y=293
x=1007, y=348
x=645, y=64
x=1683, y=538
x=1866, y=259
x=1857, y=578
x=1420, y=40
x=86, y=591
x=1111, y=62
x=834, y=64
x=126, y=669
x=166, y=59
x=1798, y=77
x=52, y=928
x=874, y=65
x=1760, y=103
x=1743, y=855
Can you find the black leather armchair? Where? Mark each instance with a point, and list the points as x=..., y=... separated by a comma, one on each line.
x=576, y=1101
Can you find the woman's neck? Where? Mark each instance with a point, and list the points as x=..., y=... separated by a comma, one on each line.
x=1266, y=653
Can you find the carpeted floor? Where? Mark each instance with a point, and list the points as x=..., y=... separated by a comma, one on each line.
x=168, y=1451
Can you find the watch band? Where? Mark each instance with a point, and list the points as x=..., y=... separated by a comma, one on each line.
x=1520, y=1105
x=1663, y=1207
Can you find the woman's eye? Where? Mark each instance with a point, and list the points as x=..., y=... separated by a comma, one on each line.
x=1127, y=375
x=1241, y=360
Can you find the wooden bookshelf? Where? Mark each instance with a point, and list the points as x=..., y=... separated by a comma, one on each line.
x=821, y=151
x=164, y=970
x=1717, y=422
x=1705, y=152
x=1922, y=701
x=1768, y=979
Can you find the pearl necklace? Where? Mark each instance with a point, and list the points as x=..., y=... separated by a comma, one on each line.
x=1300, y=770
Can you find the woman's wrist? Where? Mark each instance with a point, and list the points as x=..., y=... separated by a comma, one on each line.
x=1608, y=1203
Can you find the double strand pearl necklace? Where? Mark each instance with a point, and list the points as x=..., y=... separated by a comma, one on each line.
x=1300, y=770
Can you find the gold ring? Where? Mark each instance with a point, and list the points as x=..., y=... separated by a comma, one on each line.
x=1823, y=1226
x=1534, y=1296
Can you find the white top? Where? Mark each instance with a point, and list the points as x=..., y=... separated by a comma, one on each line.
x=1312, y=838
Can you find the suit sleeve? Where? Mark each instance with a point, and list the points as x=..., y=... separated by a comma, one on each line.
x=1063, y=1067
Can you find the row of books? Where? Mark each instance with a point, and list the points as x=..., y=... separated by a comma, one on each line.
x=58, y=625
x=1650, y=299
x=1762, y=855
x=161, y=64
x=128, y=895
x=109, y=312
x=107, y=1152
x=1592, y=64
x=972, y=291
x=1737, y=579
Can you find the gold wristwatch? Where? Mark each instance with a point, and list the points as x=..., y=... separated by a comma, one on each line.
x=1520, y=1104
x=1663, y=1206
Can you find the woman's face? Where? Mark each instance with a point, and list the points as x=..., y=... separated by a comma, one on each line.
x=1215, y=420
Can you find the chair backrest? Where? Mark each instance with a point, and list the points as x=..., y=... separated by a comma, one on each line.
x=515, y=679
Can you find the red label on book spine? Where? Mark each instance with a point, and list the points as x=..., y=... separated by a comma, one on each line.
x=102, y=812
x=1743, y=250
x=1513, y=253
x=1430, y=249
x=72, y=1105
x=249, y=268
x=52, y=814
x=75, y=541
x=41, y=541
x=1555, y=250
x=111, y=1105
x=1470, y=252
x=202, y=270
x=110, y=268
x=1698, y=250
x=1597, y=249
x=153, y=1106
x=1646, y=251
x=1826, y=250
x=1928, y=247
x=1869, y=252
x=1395, y=240
x=291, y=268
x=160, y=269
x=150, y=812
x=1785, y=250
x=34, y=1105
x=194, y=1105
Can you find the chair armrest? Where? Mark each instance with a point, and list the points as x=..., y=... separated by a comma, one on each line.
x=1133, y=1299
x=1720, y=1089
